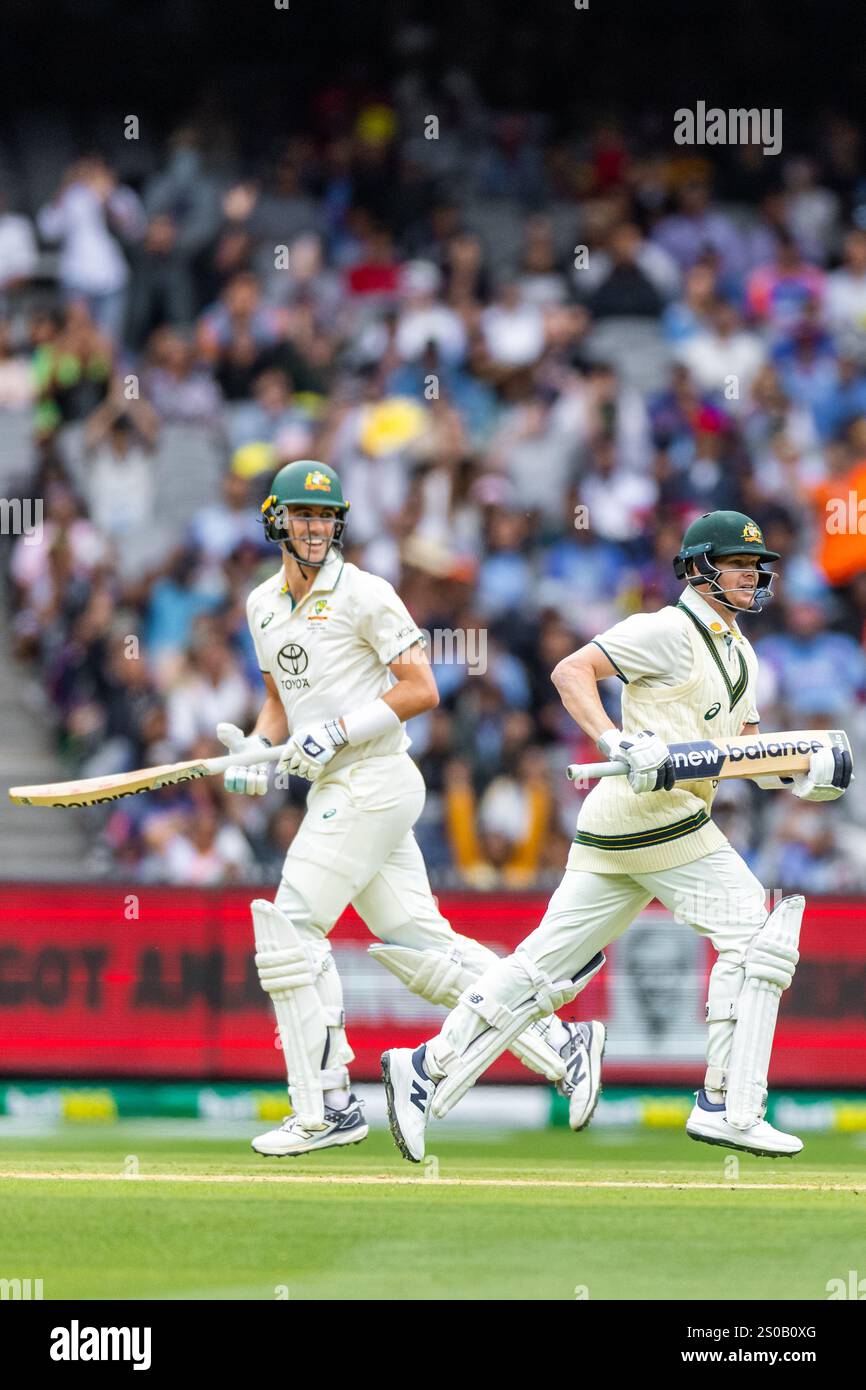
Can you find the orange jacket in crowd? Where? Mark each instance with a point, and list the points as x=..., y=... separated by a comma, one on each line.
x=840, y=507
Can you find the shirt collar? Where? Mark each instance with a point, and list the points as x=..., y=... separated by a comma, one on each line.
x=327, y=577
x=707, y=616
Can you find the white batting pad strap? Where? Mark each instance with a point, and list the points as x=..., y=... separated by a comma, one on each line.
x=283, y=970
x=714, y=1079
x=774, y=961
x=721, y=1004
x=369, y=721
x=494, y=1013
x=334, y=1078
x=287, y=975
x=439, y=1058
x=769, y=968
x=533, y=992
x=550, y=994
x=440, y=977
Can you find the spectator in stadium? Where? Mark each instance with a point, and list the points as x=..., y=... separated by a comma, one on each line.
x=17, y=386
x=499, y=841
x=424, y=321
x=272, y=417
x=235, y=334
x=512, y=330
x=210, y=688
x=843, y=397
x=94, y=217
x=180, y=389
x=72, y=365
x=119, y=439
x=839, y=504
x=19, y=255
x=820, y=673
x=218, y=528
x=691, y=313
x=539, y=275
x=182, y=206
x=176, y=596
x=846, y=298
x=631, y=278
x=811, y=211
x=202, y=852
x=784, y=293
x=805, y=851
x=723, y=357
x=467, y=281
x=696, y=228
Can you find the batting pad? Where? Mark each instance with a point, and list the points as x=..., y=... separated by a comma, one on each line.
x=504, y=1020
x=440, y=977
x=288, y=976
x=770, y=963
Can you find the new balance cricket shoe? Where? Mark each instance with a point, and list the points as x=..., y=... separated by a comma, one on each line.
x=409, y=1093
x=582, y=1055
x=707, y=1123
x=347, y=1126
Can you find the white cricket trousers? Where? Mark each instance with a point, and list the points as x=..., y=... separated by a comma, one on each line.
x=717, y=895
x=355, y=845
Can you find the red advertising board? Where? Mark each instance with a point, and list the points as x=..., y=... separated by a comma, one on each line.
x=98, y=982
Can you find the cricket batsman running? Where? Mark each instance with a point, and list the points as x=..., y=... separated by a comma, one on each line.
x=688, y=673
x=344, y=668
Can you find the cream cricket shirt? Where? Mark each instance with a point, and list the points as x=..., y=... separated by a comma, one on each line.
x=330, y=654
x=687, y=675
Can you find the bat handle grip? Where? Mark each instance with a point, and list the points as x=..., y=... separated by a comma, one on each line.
x=577, y=772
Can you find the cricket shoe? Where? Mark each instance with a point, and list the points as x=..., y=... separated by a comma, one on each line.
x=582, y=1055
x=347, y=1126
x=707, y=1123
x=408, y=1092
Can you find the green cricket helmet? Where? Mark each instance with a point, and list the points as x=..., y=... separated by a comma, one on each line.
x=715, y=535
x=303, y=482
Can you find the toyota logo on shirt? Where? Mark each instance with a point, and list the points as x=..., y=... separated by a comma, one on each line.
x=292, y=659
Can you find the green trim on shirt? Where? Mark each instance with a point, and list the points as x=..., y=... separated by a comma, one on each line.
x=737, y=689
x=595, y=643
x=642, y=839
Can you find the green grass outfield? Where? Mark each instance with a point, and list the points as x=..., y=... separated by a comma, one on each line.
x=510, y=1216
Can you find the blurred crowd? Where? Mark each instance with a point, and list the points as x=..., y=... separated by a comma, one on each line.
x=532, y=361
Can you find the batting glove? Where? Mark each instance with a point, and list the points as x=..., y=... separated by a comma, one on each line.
x=651, y=766
x=830, y=772
x=250, y=781
x=308, y=751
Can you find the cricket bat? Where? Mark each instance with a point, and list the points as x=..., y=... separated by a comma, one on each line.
x=745, y=755
x=92, y=791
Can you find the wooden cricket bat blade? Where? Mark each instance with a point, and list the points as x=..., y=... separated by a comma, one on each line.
x=92, y=791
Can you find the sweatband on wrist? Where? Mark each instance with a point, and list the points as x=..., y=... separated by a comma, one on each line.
x=369, y=721
x=602, y=743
